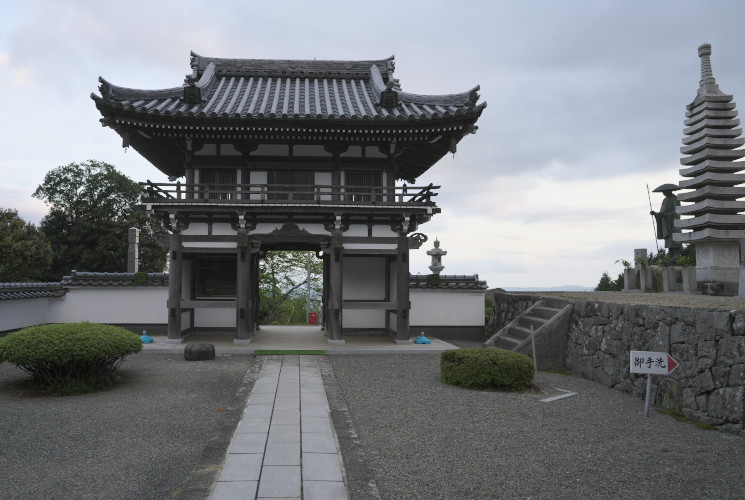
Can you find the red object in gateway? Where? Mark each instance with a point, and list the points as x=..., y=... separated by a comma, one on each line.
x=312, y=318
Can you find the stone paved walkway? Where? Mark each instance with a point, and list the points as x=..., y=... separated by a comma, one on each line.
x=285, y=445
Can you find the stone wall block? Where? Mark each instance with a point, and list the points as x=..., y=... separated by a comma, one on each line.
x=738, y=350
x=676, y=333
x=736, y=376
x=710, y=324
x=720, y=375
x=662, y=339
x=688, y=316
x=669, y=394
x=726, y=404
x=702, y=383
x=685, y=355
x=726, y=350
x=689, y=399
x=702, y=404
x=704, y=364
x=707, y=349
x=738, y=323
x=625, y=386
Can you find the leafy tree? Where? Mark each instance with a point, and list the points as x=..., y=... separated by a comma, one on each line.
x=282, y=288
x=607, y=284
x=92, y=205
x=25, y=253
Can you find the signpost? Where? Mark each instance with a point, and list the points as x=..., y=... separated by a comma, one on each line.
x=651, y=363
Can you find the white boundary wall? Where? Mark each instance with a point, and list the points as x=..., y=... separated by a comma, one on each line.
x=147, y=305
x=447, y=307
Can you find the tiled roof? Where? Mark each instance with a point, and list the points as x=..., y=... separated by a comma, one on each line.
x=448, y=282
x=115, y=279
x=259, y=89
x=11, y=291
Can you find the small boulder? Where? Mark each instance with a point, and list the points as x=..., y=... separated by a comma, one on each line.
x=199, y=352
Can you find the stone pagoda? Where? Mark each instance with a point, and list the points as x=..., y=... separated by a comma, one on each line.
x=304, y=155
x=714, y=222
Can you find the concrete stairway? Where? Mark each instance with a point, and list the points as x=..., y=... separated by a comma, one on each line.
x=548, y=321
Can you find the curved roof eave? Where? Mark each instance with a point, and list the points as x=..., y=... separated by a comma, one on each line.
x=110, y=91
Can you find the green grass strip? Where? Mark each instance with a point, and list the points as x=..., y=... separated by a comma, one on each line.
x=267, y=352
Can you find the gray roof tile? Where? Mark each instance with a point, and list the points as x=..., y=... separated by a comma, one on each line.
x=448, y=282
x=240, y=89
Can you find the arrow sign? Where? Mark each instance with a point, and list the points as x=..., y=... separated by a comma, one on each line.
x=652, y=363
x=567, y=394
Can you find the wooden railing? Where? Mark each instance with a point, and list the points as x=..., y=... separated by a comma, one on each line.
x=287, y=193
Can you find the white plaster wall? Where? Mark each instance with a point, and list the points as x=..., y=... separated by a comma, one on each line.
x=356, y=230
x=363, y=278
x=21, y=313
x=215, y=317
x=446, y=307
x=111, y=305
x=364, y=318
x=385, y=231
x=313, y=228
x=195, y=229
x=222, y=229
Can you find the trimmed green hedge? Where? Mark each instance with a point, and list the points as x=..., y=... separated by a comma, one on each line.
x=486, y=368
x=70, y=357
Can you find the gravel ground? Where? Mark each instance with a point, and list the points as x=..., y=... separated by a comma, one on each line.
x=425, y=439
x=656, y=299
x=139, y=439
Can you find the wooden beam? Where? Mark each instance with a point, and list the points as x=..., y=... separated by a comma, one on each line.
x=369, y=304
x=208, y=304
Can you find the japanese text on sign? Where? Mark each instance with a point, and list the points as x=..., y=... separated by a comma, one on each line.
x=655, y=363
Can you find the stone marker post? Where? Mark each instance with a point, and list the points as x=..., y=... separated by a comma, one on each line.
x=133, y=251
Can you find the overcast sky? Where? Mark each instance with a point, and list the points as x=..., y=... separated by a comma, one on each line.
x=586, y=103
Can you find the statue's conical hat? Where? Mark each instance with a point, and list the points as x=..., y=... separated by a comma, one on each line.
x=666, y=187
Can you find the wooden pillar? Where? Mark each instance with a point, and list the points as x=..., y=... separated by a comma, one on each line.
x=335, y=290
x=243, y=318
x=325, y=294
x=387, y=296
x=402, y=290
x=246, y=289
x=175, y=287
x=255, y=282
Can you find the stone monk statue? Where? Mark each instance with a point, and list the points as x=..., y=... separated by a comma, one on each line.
x=666, y=218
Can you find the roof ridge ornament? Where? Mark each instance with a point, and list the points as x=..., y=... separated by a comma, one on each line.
x=389, y=97
x=192, y=93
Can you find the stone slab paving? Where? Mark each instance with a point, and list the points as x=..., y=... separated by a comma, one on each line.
x=285, y=446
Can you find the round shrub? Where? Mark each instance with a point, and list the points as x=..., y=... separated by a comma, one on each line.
x=486, y=368
x=71, y=357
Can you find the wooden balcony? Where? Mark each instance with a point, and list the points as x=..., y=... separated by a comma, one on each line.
x=273, y=194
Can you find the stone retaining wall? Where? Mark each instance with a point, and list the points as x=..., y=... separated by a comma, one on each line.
x=507, y=307
x=709, y=344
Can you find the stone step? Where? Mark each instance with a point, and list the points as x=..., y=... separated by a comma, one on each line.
x=518, y=333
x=506, y=343
x=545, y=312
x=527, y=321
x=554, y=303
